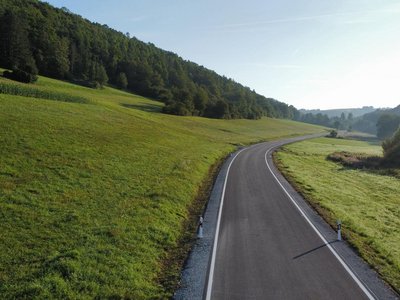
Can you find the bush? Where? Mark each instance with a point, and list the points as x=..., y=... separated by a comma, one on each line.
x=20, y=75
x=176, y=108
x=333, y=134
x=25, y=74
x=391, y=149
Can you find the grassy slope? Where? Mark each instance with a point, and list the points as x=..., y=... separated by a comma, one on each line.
x=367, y=203
x=93, y=196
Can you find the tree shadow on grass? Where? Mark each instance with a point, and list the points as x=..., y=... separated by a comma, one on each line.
x=143, y=106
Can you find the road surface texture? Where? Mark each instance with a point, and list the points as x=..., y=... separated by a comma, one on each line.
x=270, y=244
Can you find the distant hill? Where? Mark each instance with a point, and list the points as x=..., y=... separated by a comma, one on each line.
x=368, y=121
x=357, y=112
x=363, y=119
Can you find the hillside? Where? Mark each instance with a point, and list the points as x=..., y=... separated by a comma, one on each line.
x=368, y=122
x=380, y=122
x=37, y=37
x=356, y=112
x=97, y=186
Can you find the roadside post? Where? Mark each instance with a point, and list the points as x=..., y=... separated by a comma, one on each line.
x=339, y=230
x=200, y=228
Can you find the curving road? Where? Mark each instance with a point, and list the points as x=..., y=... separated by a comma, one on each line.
x=265, y=246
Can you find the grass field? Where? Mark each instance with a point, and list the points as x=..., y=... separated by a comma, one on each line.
x=95, y=196
x=367, y=203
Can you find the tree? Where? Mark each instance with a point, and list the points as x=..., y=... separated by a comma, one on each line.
x=200, y=100
x=350, y=117
x=387, y=124
x=391, y=149
x=122, y=80
x=15, y=50
x=333, y=134
x=336, y=124
x=98, y=74
x=58, y=66
x=218, y=110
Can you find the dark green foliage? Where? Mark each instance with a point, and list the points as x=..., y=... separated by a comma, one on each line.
x=26, y=75
x=391, y=149
x=98, y=75
x=28, y=91
x=122, y=81
x=333, y=134
x=15, y=50
x=387, y=124
x=219, y=110
x=319, y=119
x=66, y=46
x=176, y=108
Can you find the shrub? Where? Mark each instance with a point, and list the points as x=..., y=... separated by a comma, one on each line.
x=333, y=134
x=26, y=74
x=20, y=75
x=391, y=149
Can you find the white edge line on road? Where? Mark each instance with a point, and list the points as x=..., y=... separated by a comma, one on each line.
x=214, y=251
x=360, y=284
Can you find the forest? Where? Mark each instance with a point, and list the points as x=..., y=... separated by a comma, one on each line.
x=37, y=38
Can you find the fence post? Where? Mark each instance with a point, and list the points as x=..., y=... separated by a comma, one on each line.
x=200, y=228
x=339, y=230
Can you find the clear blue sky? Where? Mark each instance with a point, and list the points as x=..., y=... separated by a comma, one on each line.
x=308, y=53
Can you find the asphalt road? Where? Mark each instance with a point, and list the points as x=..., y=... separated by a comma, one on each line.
x=266, y=248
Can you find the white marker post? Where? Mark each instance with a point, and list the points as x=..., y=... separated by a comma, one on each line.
x=200, y=229
x=339, y=230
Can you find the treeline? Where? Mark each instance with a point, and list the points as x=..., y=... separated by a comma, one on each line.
x=36, y=37
x=381, y=122
x=344, y=122
x=356, y=112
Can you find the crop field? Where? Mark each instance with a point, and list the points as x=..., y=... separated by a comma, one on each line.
x=367, y=202
x=96, y=195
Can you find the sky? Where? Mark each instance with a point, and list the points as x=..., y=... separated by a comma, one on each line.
x=308, y=53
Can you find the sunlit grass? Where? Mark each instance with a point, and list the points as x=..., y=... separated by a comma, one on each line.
x=367, y=203
x=94, y=196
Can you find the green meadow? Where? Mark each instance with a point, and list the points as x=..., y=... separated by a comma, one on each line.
x=367, y=203
x=98, y=188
